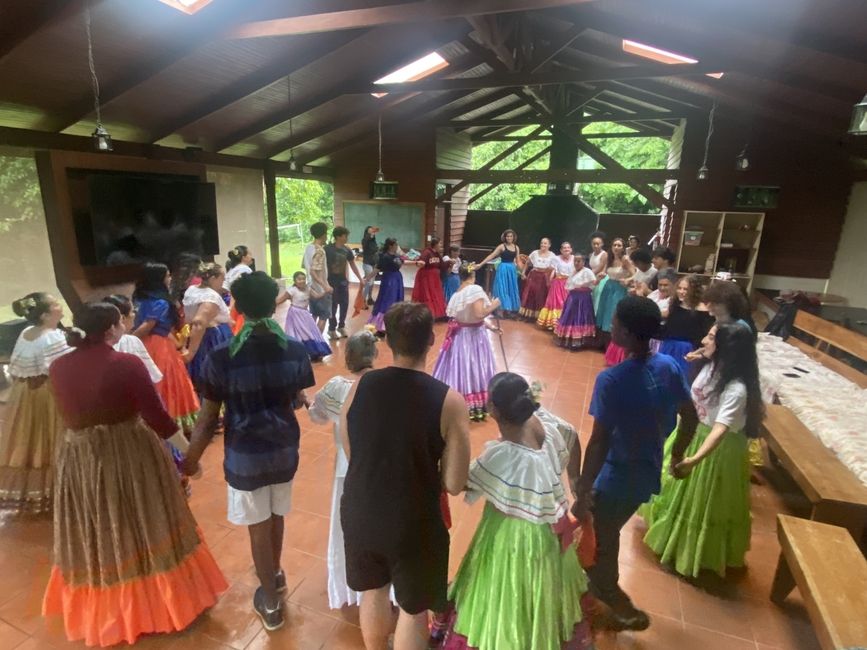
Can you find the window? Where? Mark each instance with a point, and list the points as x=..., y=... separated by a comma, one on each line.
x=187, y=6
x=658, y=54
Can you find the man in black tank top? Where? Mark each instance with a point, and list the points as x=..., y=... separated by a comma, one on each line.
x=407, y=438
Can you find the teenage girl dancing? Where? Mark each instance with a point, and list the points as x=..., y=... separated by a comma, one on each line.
x=506, y=278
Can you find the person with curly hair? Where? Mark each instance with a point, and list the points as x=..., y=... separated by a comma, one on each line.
x=687, y=323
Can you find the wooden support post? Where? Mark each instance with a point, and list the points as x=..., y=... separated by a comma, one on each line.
x=271, y=214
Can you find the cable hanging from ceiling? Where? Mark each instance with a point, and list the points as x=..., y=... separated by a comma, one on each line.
x=101, y=137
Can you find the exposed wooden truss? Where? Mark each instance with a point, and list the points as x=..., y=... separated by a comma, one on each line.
x=541, y=154
x=628, y=176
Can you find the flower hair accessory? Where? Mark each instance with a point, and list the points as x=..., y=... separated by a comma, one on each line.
x=534, y=392
x=80, y=332
x=29, y=303
x=236, y=252
x=371, y=329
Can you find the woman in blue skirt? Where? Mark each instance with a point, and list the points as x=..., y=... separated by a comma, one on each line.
x=506, y=278
x=391, y=285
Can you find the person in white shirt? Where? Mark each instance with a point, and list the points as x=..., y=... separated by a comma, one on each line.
x=577, y=325
x=537, y=279
x=315, y=264
x=300, y=323
x=701, y=518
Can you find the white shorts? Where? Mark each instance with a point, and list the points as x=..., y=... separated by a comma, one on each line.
x=253, y=507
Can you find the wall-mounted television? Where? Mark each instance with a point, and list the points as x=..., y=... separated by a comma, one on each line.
x=124, y=218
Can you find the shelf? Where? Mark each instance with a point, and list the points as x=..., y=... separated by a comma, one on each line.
x=754, y=232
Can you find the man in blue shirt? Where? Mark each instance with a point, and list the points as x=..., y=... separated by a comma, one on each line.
x=260, y=376
x=635, y=406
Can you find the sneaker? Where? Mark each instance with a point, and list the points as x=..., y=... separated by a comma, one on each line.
x=280, y=581
x=342, y=332
x=628, y=618
x=332, y=334
x=272, y=619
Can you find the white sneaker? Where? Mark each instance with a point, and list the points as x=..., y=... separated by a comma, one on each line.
x=342, y=332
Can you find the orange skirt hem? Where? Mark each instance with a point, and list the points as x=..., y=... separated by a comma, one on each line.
x=160, y=603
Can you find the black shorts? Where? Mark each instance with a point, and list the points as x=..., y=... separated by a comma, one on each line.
x=417, y=566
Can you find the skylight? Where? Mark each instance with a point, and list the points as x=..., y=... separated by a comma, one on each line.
x=187, y=6
x=658, y=54
x=418, y=69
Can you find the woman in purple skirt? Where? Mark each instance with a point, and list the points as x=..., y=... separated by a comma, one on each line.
x=466, y=359
x=391, y=285
x=577, y=326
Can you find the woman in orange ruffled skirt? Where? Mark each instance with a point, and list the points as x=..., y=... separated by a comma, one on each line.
x=129, y=558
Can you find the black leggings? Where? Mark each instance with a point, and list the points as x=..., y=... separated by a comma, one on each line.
x=339, y=299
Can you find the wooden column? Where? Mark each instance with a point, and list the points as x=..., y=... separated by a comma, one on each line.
x=271, y=215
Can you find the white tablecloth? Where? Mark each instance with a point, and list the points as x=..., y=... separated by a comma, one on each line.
x=829, y=405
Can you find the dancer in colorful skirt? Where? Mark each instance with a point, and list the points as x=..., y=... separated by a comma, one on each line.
x=129, y=343
x=506, y=277
x=206, y=313
x=390, y=286
x=300, y=323
x=701, y=518
x=428, y=286
x=666, y=280
x=598, y=264
x=687, y=323
x=155, y=319
x=240, y=263
x=129, y=558
x=564, y=267
x=577, y=326
x=453, y=278
x=31, y=421
x=618, y=273
x=326, y=408
x=537, y=279
x=520, y=583
x=466, y=359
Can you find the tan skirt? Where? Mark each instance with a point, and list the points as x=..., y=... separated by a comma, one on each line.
x=129, y=558
x=30, y=428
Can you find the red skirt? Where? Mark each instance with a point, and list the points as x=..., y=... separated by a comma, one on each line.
x=176, y=388
x=429, y=290
x=535, y=293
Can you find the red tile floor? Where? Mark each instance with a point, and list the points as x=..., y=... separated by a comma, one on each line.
x=733, y=614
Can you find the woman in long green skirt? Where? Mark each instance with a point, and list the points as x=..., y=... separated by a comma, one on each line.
x=701, y=518
x=520, y=584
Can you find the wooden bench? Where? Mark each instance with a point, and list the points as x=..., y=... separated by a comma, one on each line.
x=831, y=574
x=836, y=495
x=828, y=334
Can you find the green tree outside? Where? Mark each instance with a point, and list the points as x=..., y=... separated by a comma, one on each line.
x=632, y=153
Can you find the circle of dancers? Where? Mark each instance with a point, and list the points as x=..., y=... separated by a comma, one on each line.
x=108, y=419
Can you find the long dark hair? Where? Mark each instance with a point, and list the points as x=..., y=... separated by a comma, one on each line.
x=94, y=319
x=388, y=243
x=184, y=268
x=33, y=307
x=152, y=285
x=368, y=235
x=735, y=359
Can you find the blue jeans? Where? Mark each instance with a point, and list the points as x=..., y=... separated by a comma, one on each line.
x=368, y=288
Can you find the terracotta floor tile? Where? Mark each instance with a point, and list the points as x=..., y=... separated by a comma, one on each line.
x=652, y=591
x=711, y=612
x=10, y=636
x=232, y=620
x=344, y=637
x=663, y=632
x=312, y=496
x=313, y=590
x=34, y=644
x=307, y=532
x=304, y=630
x=785, y=626
x=706, y=639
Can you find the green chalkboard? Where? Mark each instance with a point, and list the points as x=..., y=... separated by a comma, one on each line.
x=403, y=221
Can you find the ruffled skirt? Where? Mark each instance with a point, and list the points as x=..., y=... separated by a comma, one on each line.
x=609, y=297
x=129, y=558
x=614, y=354
x=703, y=521
x=451, y=286
x=31, y=425
x=516, y=589
x=390, y=292
x=212, y=337
x=428, y=288
x=577, y=325
x=677, y=350
x=506, y=286
x=176, y=388
x=301, y=325
x=550, y=313
x=467, y=364
x=535, y=293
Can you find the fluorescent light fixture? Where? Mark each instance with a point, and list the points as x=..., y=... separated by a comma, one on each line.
x=418, y=69
x=658, y=54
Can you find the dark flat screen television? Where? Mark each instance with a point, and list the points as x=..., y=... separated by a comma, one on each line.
x=124, y=218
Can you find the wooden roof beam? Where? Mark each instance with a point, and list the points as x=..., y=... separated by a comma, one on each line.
x=176, y=46
x=628, y=176
x=42, y=15
x=590, y=136
x=508, y=80
x=544, y=152
x=601, y=117
x=255, y=82
x=401, y=13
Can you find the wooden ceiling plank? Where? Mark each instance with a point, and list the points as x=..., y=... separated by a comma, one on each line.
x=252, y=83
x=43, y=15
x=556, y=46
x=506, y=80
x=409, y=12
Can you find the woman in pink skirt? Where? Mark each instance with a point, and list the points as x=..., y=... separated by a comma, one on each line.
x=577, y=325
x=564, y=267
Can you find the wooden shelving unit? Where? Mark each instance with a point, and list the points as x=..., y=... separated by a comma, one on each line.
x=732, y=238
